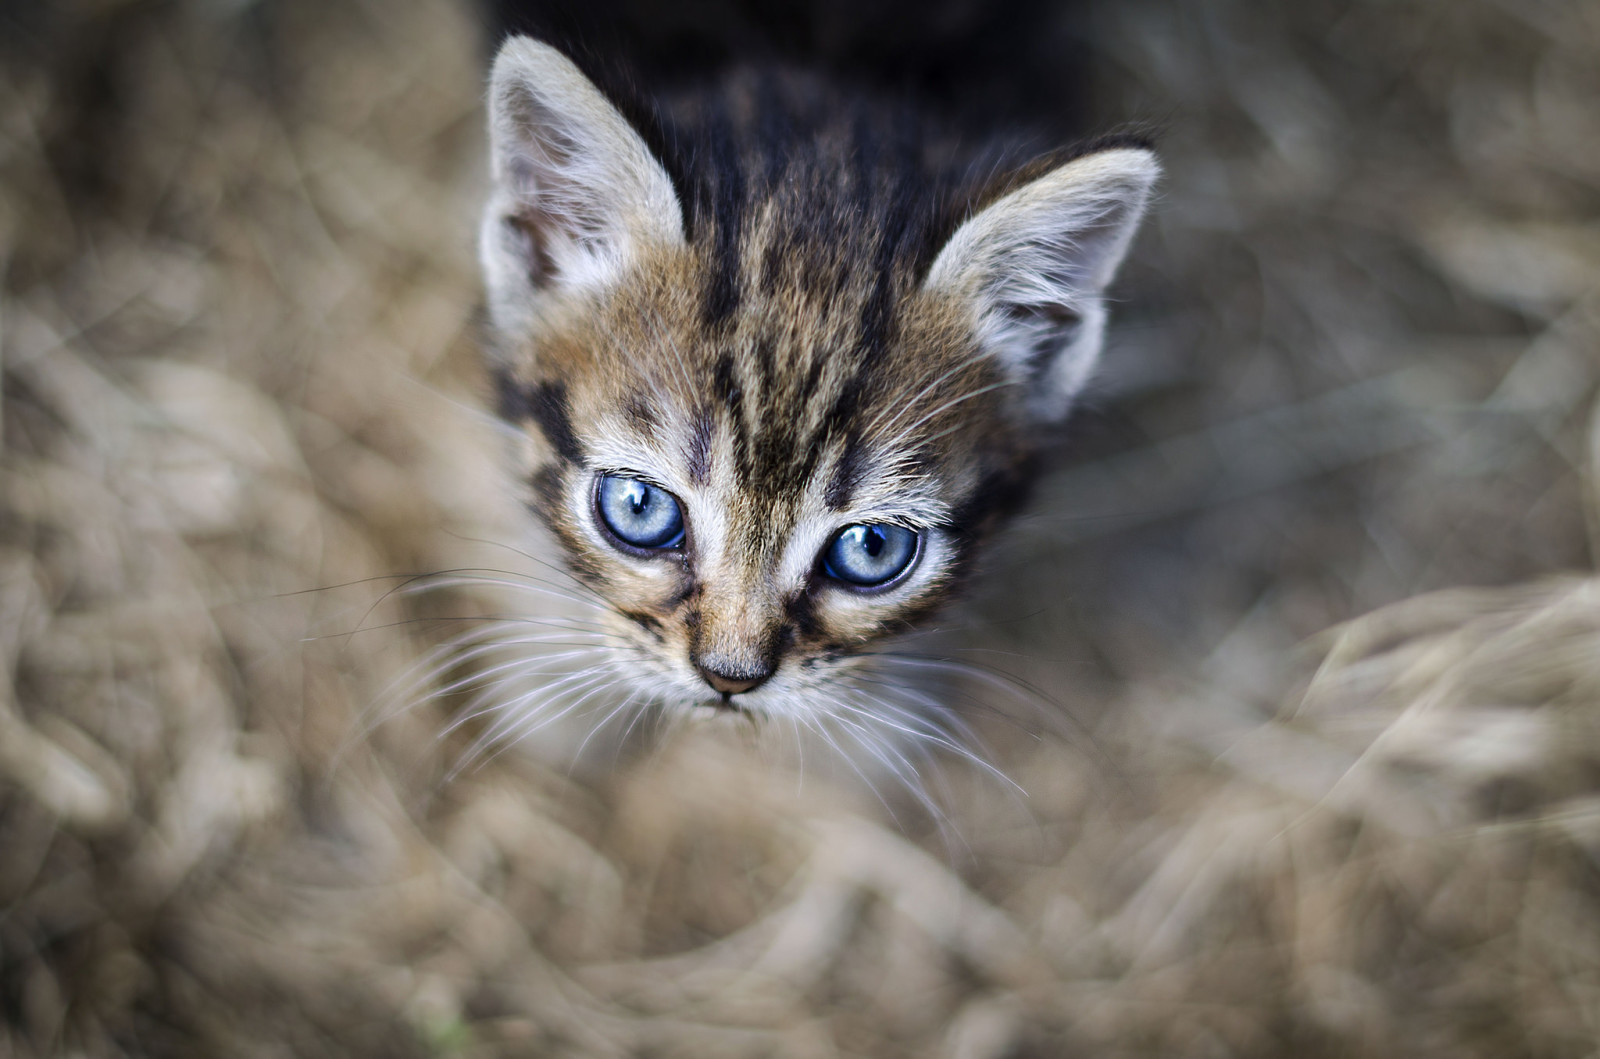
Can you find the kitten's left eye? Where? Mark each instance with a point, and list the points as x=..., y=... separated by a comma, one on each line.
x=870, y=555
x=638, y=513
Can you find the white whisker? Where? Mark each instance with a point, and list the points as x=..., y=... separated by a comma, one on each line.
x=520, y=719
x=816, y=725
x=903, y=407
x=485, y=702
x=895, y=441
x=922, y=728
x=607, y=719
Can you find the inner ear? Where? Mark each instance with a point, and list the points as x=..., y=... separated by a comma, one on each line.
x=520, y=237
x=1040, y=333
x=577, y=197
x=1033, y=267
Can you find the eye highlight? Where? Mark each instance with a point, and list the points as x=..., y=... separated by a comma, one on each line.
x=639, y=514
x=870, y=555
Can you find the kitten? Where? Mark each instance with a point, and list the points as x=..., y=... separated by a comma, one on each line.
x=779, y=360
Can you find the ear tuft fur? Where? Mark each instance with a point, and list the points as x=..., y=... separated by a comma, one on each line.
x=1035, y=265
x=577, y=193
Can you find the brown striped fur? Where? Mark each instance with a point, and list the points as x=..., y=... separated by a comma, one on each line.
x=794, y=313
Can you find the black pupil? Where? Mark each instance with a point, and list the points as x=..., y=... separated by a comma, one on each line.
x=640, y=499
x=873, y=541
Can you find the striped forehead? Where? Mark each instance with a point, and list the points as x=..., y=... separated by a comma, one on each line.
x=838, y=398
x=769, y=462
x=790, y=386
x=743, y=519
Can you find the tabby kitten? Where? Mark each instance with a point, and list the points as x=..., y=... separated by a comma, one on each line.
x=778, y=360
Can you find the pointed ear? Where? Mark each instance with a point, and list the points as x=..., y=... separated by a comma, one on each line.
x=1034, y=267
x=577, y=194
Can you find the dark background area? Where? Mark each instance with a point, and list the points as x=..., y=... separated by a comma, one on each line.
x=1022, y=63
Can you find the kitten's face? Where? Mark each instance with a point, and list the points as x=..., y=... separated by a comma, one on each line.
x=774, y=436
x=764, y=500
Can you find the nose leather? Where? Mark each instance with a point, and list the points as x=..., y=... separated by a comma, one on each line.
x=729, y=681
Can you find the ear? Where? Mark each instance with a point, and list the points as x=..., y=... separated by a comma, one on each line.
x=1034, y=267
x=577, y=194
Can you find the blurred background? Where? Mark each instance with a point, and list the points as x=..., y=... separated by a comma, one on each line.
x=1311, y=586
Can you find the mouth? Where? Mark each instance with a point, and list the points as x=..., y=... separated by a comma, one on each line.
x=723, y=705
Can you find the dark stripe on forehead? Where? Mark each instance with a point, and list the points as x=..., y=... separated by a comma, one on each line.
x=699, y=454
x=808, y=388
x=640, y=415
x=720, y=205
x=778, y=459
x=765, y=356
x=547, y=405
x=765, y=404
x=725, y=385
x=846, y=475
x=841, y=415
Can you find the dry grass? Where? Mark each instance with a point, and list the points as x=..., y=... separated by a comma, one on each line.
x=1325, y=800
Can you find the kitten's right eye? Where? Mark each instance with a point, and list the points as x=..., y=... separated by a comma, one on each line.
x=639, y=514
x=870, y=555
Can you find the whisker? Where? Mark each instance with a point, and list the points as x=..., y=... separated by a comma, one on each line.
x=547, y=564
x=800, y=754
x=522, y=666
x=950, y=722
x=895, y=441
x=815, y=725
x=1042, y=707
x=504, y=579
x=915, y=781
x=1018, y=688
x=902, y=408
x=600, y=724
x=483, y=704
x=638, y=715
x=905, y=772
x=513, y=728
x=520, y=721
x=949, y=693
x=415, y=583
x=599, y=628
x=921, y=728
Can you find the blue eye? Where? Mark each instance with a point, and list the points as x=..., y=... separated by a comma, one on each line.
x=639, y=513
x=870, y=555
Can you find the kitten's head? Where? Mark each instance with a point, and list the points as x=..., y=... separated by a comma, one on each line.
x=776, y=378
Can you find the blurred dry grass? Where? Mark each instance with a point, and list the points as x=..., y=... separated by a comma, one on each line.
x=1321, y=588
